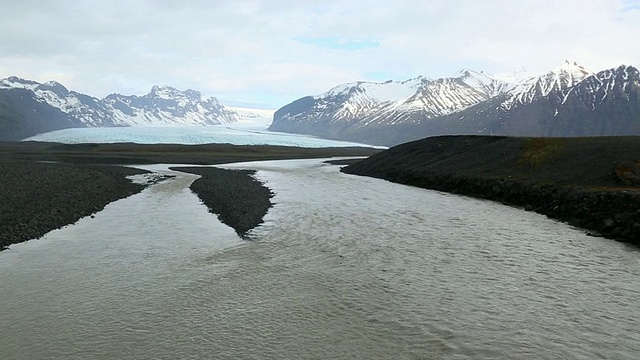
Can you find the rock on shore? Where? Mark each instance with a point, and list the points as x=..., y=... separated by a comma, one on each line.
x=239, y=200
x=37, y=197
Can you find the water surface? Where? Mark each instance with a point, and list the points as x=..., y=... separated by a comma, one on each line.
x=344, y=267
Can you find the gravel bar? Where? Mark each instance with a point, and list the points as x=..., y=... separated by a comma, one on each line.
x=37, y=197
x=239, y=200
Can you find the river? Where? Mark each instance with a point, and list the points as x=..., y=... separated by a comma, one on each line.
x=343, y=267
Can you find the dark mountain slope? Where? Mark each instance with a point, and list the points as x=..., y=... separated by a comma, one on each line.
x=21, y=115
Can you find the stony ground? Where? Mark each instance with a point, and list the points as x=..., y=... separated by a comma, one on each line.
x=37, y=197
x=239, y=200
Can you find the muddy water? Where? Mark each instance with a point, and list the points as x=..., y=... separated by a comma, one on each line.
x=344, y=267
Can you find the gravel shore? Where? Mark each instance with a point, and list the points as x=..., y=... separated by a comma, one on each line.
x=37, y=197
x=239, y=200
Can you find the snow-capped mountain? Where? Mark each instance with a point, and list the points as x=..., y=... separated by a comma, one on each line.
x=14, y=82
x=367, y=104
x=558, y=81
x=569, y=100
x=163, y=106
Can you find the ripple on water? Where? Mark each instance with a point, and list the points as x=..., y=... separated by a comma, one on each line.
x=344, y=267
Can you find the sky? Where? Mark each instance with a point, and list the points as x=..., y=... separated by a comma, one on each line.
x=271, y=52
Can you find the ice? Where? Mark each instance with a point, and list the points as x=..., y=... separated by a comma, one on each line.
x=221, y=134
x=253, y=117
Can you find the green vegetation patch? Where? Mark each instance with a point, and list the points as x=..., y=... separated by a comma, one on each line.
x=537, y=151
x=628, y=172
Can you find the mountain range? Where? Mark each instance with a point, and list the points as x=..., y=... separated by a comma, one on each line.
x=569, y=100
x=28, y=108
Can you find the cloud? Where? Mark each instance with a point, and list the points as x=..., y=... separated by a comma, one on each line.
x=277, y=50
x=334, y=42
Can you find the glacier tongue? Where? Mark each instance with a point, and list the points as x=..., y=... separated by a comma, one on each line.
x=190, y=135
x=258, y=118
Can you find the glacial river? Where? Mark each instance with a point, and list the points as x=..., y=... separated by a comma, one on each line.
x=345, y=267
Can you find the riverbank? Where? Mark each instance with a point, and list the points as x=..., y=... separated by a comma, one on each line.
x=45, y=186
x=592, y=183
x=37, y=197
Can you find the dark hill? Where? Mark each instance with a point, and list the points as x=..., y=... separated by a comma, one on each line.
x=593, y=182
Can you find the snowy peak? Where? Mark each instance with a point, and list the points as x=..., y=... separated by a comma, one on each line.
x=367, y=104
x=174, y=97
x=561, y=78
x=422, y=95
x=558, y=81
x=388, y=91
x=14, y=82
x=163, y=91
x=447, y=95
x=53, y=86
x=166, y=105
x=568, y=74
x=483, y=82
x=171, y=93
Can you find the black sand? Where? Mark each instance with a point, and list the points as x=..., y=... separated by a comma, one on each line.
x=593, y=183
x=239, y=200
x=37, y=197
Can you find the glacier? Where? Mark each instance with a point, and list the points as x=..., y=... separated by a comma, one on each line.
x=240, y=134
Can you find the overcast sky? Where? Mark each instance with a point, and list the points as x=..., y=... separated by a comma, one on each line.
x=272, y=52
